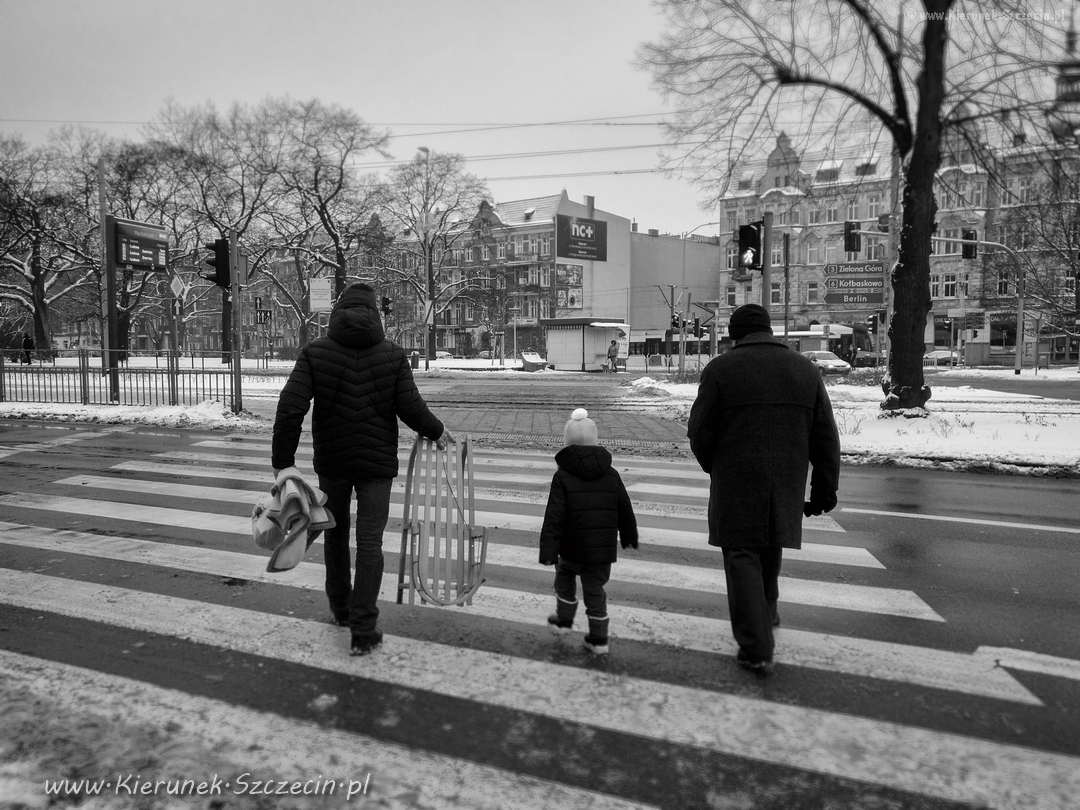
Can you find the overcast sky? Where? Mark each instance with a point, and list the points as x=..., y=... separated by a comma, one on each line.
x=423, y=69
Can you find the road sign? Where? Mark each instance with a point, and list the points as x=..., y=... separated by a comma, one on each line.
x=262, y=316
x=854, y=268
x=321, y=300
x=854, y=298
x=178, y=287
x=140, y=244
x=854, y=283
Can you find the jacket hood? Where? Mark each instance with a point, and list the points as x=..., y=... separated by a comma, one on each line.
x=587, y=462
x=354, y=321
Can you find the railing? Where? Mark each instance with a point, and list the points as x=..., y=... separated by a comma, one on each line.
x=143, y=378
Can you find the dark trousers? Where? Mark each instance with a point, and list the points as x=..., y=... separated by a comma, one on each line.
x=752, y=575
x=357, y=598
x=593, y=580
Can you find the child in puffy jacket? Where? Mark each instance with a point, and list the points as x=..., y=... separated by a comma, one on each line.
x=588, y=514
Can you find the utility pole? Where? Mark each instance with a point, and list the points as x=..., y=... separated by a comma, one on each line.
x=787, y=271
x=766, y=259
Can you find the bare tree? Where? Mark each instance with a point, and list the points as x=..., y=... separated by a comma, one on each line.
x=433, y=201
x=740, y=71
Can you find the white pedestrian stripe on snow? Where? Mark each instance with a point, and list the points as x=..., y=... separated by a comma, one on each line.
x=937, y=669
x=797, y=591
x=924, y=762
x=977, y=521
x=295, y=750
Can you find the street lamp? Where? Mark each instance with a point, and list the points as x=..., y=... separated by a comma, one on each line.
x=429, y=269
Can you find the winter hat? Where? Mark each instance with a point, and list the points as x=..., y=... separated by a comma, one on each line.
x=747, y=319
x=356, y=295
x=580, y=429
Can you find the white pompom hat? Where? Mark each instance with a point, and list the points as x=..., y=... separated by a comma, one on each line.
x=580, y=429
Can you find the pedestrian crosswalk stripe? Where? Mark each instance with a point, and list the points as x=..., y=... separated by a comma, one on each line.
x=668, y=538
x=977, y=521
x=283, y=748
x=29, y=447
x=842, y=596
x=907, y=758
x=937, y=669
x=641, y=504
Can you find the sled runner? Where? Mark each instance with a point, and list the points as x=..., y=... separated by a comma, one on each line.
x=442, y=549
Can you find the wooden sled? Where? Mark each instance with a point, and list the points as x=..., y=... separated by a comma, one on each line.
x=443, y=551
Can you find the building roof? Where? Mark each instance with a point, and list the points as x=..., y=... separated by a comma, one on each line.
x=524, y=212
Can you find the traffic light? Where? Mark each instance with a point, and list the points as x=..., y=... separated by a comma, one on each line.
x=872, y=322
x=697, y=326
x=750, y=245
x=387, y=306
x=852, y=237
x=676, y=322
x=969, y=251
x=222, y=272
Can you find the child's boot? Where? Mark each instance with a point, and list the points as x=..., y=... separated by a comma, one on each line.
x=563, y=618
x=597, y=640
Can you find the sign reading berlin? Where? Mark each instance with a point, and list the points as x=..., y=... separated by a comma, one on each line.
x=580, y=238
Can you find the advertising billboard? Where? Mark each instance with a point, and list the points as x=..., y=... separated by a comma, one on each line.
x=580, y=238
x=568, y=286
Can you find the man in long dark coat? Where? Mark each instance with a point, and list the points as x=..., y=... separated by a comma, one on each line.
x=762, y=415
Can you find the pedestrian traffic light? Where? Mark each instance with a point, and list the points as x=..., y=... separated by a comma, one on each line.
x=969, y=250
x=750, y=245
x=387, y=306
x=222, y=273
x=852, y=237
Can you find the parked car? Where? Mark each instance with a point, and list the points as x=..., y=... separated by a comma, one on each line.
x=439, y=355
x=484, y=355
x=941, y=357
x=828, y=363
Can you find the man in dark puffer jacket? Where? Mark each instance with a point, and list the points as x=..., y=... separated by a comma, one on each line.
x=361, y=384
x=588, y=512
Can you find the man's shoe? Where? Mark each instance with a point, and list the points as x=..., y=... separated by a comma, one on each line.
x=367, y=643
x=558, y=625
x=758, y=665
x=596, y=646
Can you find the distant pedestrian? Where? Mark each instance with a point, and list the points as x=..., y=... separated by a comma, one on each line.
x=588, y=513
x=613, y=356
x=27, y=347
x=761, y=416
x=361, y=384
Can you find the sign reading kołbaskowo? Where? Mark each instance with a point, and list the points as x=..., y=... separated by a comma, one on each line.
x=854, y=283
x=140, y=244
x=319, y=295
x=580, y=238
x=854, y=297
x=854, y=269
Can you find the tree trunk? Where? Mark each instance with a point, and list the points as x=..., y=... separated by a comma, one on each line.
x=904, y=387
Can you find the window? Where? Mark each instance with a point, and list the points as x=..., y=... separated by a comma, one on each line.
x=849, y=256
x=812, y=292
x=732, y=254
x=830, y=211
x=485, y=251
x=545, y=308
x=978, y=194
x=534, y=274
x=1025, y=190
x=731, y=295
x=751, y=215
x=875, y=250
x=776, y=293
x=545, y=245
x=832, y=251
x=530, y=307
x=813, y=253
x=853, y=209
x=1003, y=283
x=519, y=246
x=866, y=169
x=873, y=206
x=1070, y=281
x=935, y=286
x=748, y=292
x=948, y=285
x=732, y=221
x=545, y=276
x=777, y=253
x=502, y=250
x=815, y=214
x=795, y=216
x=828, y=175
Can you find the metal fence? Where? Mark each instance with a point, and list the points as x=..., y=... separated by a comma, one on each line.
x=143, y=378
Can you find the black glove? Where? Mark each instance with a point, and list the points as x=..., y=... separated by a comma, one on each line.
x=629, y=542
x=819, y=502
x=549, y=562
